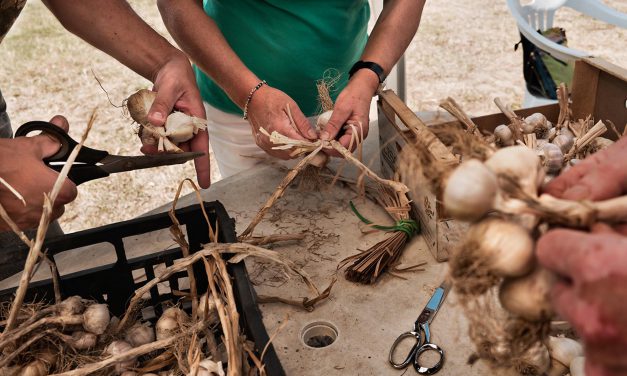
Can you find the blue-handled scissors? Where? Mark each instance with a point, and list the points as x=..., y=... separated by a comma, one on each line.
x=422, y=334
x=93, y=164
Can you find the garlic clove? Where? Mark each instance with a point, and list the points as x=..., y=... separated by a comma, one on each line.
x=470, y=191
x=529, y=297
x=507, y=246
x=208, y=367
x=577, y=366
x=564, y=349
x=96, y=318
x=139, y=335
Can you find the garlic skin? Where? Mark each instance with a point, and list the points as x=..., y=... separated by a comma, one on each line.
x=470, y=191
x=564, y=142
x=83, y=340
x=504, y=135
x=207, y=308
x=536, y=123
x=139, y=104
x=535, y=361
x=529, y=297
x=139, y=335
x=507, y=246
x=600, y=143
x=557, y=369
x=323, y=119
x=553, y=158
x=71, y=306
x=208, y=367
x=520, y=163
x=96, y=318
x=577, y=366
x=564, y=349
x=118, y=348
x=34, y=368
x=168, y=323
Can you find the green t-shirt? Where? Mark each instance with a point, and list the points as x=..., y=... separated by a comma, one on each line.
x=289, y=43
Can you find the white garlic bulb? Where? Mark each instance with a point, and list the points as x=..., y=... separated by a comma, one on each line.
x=564, y=142
x=519, y=163
x=323, y=119
x=180, y=127
x=564, y=349
x=530, y=296
x=139, y=104
x=577, y=366
x=557, y=369
x=119, y=348
x=553, y=158
x=34, y=368
x=208, y=367
x=96, y=318
x=168, y=323
x=71, y=306
x=470, y=191
x=504, y=135
x=506, y=246
x=83, y=340
x=139, y=335
x=600, y=143
x=535, y=123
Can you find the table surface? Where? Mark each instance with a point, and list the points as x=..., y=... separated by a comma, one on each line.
x=367, y=317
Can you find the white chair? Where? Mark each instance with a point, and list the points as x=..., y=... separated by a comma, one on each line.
x=539, y=14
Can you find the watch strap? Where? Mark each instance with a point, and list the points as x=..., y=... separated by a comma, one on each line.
x=376, y=68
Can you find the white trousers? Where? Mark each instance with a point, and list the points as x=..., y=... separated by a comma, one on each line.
x=232, y=142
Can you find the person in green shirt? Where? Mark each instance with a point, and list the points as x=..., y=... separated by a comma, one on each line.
x=265, y=56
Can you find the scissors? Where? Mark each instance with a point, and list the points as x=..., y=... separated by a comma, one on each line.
x=93, y=164
x=422, y=335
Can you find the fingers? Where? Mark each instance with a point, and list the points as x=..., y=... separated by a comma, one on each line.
x=302, y=124
x=578, y=312
x=203, y=166
x=61, y=122
x=164, y=103
x=335, y=123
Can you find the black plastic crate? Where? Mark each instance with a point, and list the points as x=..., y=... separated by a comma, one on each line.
x=114, y=284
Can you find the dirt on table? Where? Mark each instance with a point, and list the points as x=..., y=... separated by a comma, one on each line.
x=464, y=49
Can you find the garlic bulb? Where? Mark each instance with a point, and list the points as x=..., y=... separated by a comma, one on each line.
x=536, y=123
x=139, y=335
x=470, y=191
x=96, y=318
x=535, y=361
x=600, y=143
x=519, y=163
x=564, y=349
x=567, y=132
x=119, y=348
x=577, y=366
x=504, y=135
x=207, y=308
x=139, y=104
x=506, y=246
x=71, y=306
x=208, y=367
x=131, y=373
x=553, y=158
x=564, y=142
x=82, y=340
x=323, y=119
x=168, y=323
x=181, y=127
x=528, y=296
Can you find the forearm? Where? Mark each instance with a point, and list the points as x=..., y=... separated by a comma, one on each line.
x=394, y=30
x=199, y=36
x=113, y=27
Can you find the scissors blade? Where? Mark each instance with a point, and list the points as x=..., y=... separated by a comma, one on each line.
x=428, y=313
x=117, y=163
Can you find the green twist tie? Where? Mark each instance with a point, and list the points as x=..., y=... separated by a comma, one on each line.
x=408, y=226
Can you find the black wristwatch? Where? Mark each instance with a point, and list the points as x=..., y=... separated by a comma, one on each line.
x=376, y=68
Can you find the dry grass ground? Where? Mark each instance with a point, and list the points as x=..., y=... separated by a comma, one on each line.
x=464, y=49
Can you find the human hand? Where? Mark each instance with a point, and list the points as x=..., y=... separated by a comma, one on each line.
x=592, y=292
x=176, y=89
x=352, y=107
x=273, y=110
x=601, y=176
x=22, y=167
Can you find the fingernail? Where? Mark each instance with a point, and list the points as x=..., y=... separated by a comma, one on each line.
x=325, y=135
x=158, y=116
x=312, y=134
x=577, y=192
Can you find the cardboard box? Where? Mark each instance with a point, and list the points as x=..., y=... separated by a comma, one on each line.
x=599, y=89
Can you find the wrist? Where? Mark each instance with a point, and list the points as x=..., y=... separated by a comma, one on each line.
x=367, y=78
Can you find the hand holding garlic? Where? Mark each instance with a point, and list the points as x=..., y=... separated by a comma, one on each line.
x=592, y=291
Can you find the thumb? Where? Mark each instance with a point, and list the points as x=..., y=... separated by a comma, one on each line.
x=302, y=124
x=162, y=106
x=335, y=123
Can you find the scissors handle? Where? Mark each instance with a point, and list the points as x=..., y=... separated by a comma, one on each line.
x=428, y=370
x=412, y=353
x=86, y=155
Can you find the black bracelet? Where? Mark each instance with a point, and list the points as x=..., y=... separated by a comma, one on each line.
x=376, y=68
x=250, y=96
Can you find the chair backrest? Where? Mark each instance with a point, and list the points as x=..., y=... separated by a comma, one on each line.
x=540, y=13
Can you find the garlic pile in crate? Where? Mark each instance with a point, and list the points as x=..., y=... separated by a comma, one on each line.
x=179, y=127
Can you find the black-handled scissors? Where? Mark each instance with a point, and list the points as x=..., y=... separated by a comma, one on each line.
x=422, y=334
x=93, y=164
